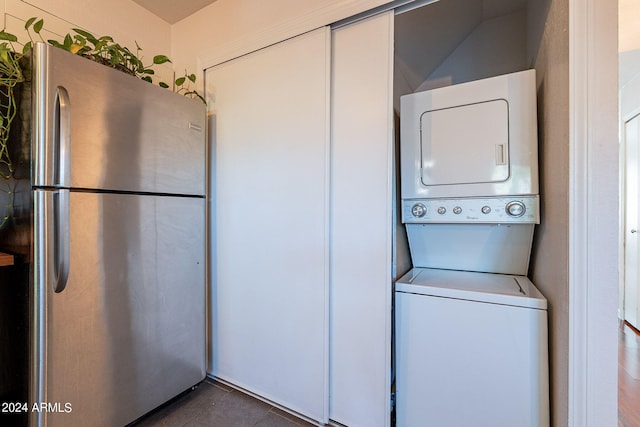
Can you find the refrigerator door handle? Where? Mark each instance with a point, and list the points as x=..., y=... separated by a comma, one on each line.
x=62, y=137
x=56, y=223
x=62, y=240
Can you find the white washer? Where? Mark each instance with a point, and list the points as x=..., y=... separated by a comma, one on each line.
x=473, y=348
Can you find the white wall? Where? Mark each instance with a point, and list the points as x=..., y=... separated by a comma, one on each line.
x=629, y=66
x=550, y=257
x=575, y=254
x=124, y=20
x=628, y=28
x=497, y=46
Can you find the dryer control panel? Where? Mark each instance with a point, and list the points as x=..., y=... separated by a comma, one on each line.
x=482, y=210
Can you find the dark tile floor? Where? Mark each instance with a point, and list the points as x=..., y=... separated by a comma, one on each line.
x=213, y=404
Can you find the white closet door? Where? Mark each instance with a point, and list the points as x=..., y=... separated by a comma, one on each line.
x=270, y=180
x=361, y=222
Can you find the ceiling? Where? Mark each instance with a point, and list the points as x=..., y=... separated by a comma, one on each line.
x=173, y=11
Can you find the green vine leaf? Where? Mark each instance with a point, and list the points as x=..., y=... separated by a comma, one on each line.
x=160, y=59
x=87, y=35
x=29, y=22
x=5, y=56
x=37, y=27
x=68, y=41
x=55, y=43
x=7, y=36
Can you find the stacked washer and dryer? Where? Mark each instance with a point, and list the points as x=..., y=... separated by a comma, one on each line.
x=471, y=328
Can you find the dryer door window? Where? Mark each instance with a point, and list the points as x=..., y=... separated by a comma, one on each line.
x=465, y=144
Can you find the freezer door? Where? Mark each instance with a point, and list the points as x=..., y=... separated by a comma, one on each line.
x=98, y=128
x=126, y=331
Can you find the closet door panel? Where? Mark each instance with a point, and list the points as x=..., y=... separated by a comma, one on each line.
x=361, y=222
x=270, y=216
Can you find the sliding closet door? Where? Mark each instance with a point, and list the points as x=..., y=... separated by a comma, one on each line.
x=270, y=188
x=361, y=222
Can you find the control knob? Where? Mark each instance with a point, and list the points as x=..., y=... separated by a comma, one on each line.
x=515, y=209
x=419, y=210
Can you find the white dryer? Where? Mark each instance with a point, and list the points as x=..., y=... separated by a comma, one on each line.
x=471, y=350
x=475, y=139
x=469, y=174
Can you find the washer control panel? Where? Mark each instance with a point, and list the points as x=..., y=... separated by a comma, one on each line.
x=517, y=209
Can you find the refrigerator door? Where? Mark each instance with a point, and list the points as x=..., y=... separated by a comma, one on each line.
x=126, y=331
x=99, y=128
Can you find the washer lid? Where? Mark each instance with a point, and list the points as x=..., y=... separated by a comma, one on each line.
x=472, y=286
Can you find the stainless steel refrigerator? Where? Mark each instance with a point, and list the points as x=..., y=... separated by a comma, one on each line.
x=108, y=231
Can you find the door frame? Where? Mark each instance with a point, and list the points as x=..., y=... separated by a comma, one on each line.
x=593, y=197
x=629, y=109
x=625, y=117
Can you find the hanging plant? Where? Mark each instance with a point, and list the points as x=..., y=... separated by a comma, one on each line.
x=106, y=51
x=10, y=75
x=103, y=50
